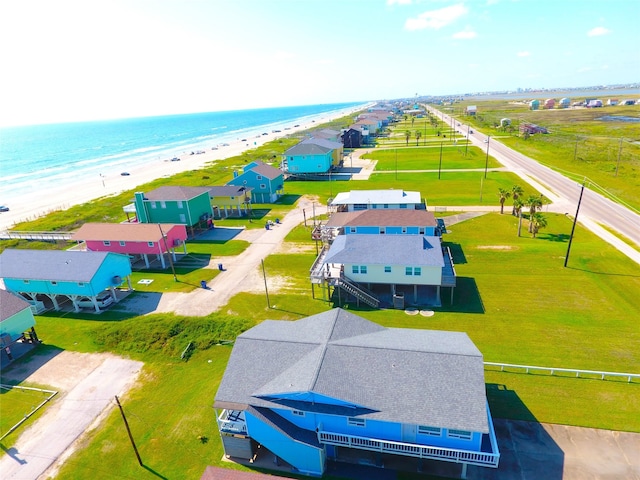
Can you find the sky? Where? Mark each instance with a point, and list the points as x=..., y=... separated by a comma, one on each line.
x=77, y=60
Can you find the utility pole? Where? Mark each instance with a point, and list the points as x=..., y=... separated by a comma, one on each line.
x=126, y=424
x=575, y=220
x=466, y=147
x=440, y=164
x=264, y=275
x=486, y=163
x=166, y=247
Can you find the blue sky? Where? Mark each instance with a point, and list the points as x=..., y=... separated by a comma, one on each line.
x=79, y=60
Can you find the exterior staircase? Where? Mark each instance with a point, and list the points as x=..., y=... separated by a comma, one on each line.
x=361, y=294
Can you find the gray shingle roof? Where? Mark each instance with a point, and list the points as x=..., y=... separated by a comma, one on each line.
x=303, y=148
x=414, y=250
x=229, y=191
x=171, y=193
x=10, y=304
x=399, y=375
x=56, y=265
x=383, y=218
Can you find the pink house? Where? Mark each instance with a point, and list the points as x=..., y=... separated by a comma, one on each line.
x=138, y=240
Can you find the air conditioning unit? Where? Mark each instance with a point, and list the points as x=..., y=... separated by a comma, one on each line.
x=117, y=280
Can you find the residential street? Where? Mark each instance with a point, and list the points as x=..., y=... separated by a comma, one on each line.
x=594, y=209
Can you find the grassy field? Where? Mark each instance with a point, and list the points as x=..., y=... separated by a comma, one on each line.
x=514, y=299
x=428, y=158
x=17, y=403
x=580, y=144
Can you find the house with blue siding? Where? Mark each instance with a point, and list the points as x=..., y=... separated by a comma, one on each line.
x=60, y=275
x=337, y=386
x=266, y=182
x=382, y=222
x=313, y=155
x=16, y=323
x=188, y=206
x=390, y=199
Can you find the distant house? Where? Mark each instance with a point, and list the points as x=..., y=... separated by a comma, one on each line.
x=534, y=104
x=352, y=138
x=531, y=129
x=16, y=323
x=327, y=134
x=230, y=200
x=595, y=103
x=57, y=275
x=471, y=110
x=266, y=182
x=627, y=102
x=137, y=240
x=612, y=102
x=371, y=124
x=382, y=222
x=336, y=386
x=313, y=155
x=549, y=103
x=188, y=206
x=564, y=103
x=376, y=199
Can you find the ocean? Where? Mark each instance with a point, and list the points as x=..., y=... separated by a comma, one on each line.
x=41, y=156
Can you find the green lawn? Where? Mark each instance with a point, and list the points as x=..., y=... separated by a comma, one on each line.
x=428, y=158
x=17, y=403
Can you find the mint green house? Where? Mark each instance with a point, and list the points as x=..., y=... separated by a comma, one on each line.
x=16, y=318
x=188, y=206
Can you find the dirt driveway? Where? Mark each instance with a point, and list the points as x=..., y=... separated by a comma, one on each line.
x=87, y=385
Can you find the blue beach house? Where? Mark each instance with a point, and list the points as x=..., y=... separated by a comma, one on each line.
x=335, y=386
x=57, y=276
x=313, y=155
x=266, y=182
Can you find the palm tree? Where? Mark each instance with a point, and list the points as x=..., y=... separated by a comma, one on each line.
x=407, y=136
x=516, y=193
x=533, y=202
x=503, y=195
x=538, y=221
x=518, y=205
x=418, y=135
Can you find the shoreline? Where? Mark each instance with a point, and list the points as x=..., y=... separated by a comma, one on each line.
x=75, y=192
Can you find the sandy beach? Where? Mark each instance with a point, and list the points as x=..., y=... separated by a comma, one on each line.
x=29, y=207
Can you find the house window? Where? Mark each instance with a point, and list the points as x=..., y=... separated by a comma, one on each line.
x=298, y=413
x=352, y=229
x=153, y=204
x=54, y=283
x=359, y=206
x=122, y=244
x=180, y=204
x=106, y=243
x=431, y=431
x=387, y=269
x=81, y=284
x=421, y=231
x=461, y=434
x=26, y=281
x=355, y=269
x=263, y=186
x=356, y=422
x=259, y=177
x=404, y=229
x=408, y=271
x=382, y=231
x=386, y=205
x=417, y=271
x=374, y=206
x=150, y=244
x=363, y=269
x=403, y=205
x=163, y=204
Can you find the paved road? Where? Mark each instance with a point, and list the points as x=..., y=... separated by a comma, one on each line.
x=594, y=209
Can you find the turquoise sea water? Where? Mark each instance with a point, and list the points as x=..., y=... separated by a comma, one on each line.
x=35, y=157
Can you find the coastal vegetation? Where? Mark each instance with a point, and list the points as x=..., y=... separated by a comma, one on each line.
x=514, y=298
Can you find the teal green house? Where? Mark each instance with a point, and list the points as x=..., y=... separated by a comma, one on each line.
x=188, y=206
x=16, y=318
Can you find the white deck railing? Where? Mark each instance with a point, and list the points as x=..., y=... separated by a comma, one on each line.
x=411, y=449
x=555, y=370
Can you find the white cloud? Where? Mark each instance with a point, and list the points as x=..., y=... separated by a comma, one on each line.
x=436, y=18
x=465, y=35
x=598, y=31
x=524, y=54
